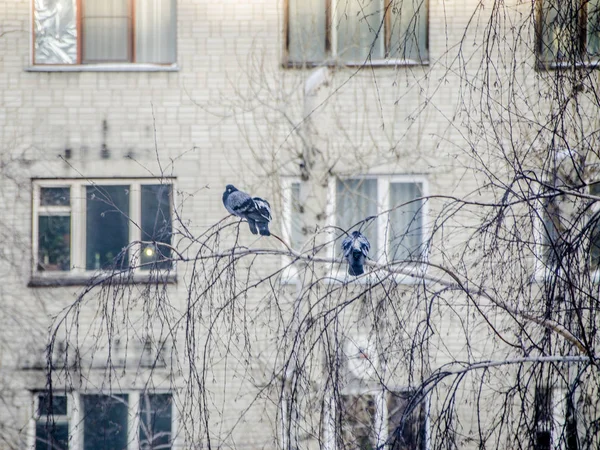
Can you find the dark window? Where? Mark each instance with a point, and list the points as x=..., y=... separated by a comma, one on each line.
x=569, y=31
x=406, y=431
x=107, y=227
x=54, y=229
x=156, y=226
x=357, y=419
x=155, y=421
x=543, y=418
x=55, y=196
x=52, y=425
x=54, y=242
x=105, y=422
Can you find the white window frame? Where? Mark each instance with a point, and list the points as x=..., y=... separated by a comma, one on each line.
x=76, y=420
x=339, y=271
x=331, y=56
x=290, y=272
x=77, y=211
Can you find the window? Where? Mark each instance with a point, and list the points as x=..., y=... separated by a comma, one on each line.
x=388, y=210
x=353, y=32
x=555, y=420
x=100, y=31
x=51, y=422
x=84, y=226
x=140, y=420
x=551, y=229
x=595, y=230
x=155, y=421
x=543, y=418
x=569, y=31
x=293, y=214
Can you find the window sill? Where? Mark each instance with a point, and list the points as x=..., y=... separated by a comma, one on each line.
x=556, y=65
x=86, y=279
x=116, y=67
x=377, y=63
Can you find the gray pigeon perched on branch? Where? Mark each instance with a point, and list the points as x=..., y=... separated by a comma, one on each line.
x=356, y=248
x=255, y=210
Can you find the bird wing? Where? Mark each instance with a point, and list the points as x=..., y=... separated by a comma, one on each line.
x=263, y=210
x=240, y=204
x=347, y=245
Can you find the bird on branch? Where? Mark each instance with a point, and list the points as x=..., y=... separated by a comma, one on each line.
x=256, y=211
x=356, y=248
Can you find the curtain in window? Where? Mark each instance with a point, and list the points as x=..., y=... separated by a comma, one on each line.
x=560, y=29
x=106, y=31
x=306, y=30
x=155, y=31
x=356, y=200
x=359, y=30
x=406, y=222
x=407, y=29
x=593, y=27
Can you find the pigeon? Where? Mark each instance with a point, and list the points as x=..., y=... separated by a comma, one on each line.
x=356, y=248
x=255, y=210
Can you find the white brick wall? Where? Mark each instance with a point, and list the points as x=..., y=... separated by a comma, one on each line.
x=219, y=119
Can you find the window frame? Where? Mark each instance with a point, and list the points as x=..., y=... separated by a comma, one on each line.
x=100, y=66
x=582, y=59
x=339, y=271
x=331, y=55
x=78, y=274
x=76, y=419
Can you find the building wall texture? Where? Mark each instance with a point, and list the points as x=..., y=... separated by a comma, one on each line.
x=230, y=111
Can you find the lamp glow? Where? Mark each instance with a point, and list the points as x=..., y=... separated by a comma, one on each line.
x=149, y=252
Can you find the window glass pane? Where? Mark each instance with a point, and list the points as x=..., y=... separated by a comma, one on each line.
x=105, y=422
x=551, y=229
x=296, y=235
x=593, y=27
x=106, y=31
x=408, y=29
x=358, y=421
x=107, y=227
x=543, y=417
x=55, y=29
x=356, y=199
x=55, y=196
x=155, y=31
x=405, y=433
x=595, y=234
x=306, y=30
x=156, y=225
x=51, y=435
x=406, y=222
x=155, y=421
x=359, y=31
x=54, y=242
x=58, y=407
x=560, y=30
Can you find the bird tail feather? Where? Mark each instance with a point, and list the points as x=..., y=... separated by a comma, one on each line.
x=252, y=226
